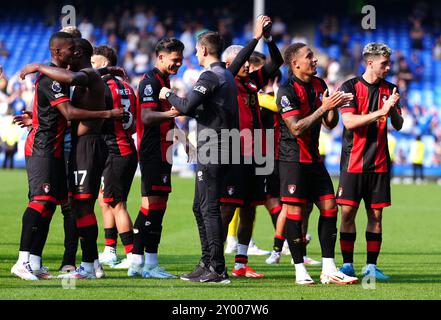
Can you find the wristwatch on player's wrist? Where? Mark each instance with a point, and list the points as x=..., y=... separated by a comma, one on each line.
x=168, y=94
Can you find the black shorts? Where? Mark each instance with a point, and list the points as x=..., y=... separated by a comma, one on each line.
x=272, y=183
x=155, y=178
x=86, y=165
x=304, y=182
x=241, y=186
x=373, y=188
x=118, y=177
x=47, y=179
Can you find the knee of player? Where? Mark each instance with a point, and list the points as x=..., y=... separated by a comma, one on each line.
x=374, y=216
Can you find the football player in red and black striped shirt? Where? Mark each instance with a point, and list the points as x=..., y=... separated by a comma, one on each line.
x=241, y=186
x=365, y=161
x=304, y=105
x=155, y=119
x=44, y=155
x=121, y=162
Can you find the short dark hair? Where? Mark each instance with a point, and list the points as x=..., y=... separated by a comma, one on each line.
x=169, y=45
x=73, y=31
x=257, y=59
x=213, y=41
x=107, y=52
x=291, y=51
x=85, y=46
x=59, y=36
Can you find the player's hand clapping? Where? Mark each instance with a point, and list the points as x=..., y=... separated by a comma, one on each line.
x=337, y=99
x=390, y=102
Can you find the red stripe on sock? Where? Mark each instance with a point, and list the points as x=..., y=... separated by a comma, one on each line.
x=279, y=237
x=86, y=221
x=128, y=248
x=295, y=217
x=373, y=246
x=241, y=260
x=347, y=245
x=276, y=210
x=331, y=213
x=109, y=242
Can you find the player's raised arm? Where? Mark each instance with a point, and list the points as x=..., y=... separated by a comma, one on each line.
x=246, y=52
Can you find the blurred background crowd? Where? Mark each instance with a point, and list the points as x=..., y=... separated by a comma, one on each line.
x=411, y=29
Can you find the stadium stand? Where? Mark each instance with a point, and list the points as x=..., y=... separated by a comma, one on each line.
x=338, y=42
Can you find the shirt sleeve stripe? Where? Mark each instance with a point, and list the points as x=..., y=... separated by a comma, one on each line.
x=149, y=105
x=60, y=100
x=291, y=113
x=344, y=110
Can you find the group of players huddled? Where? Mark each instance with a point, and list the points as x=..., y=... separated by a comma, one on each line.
x=80, y=149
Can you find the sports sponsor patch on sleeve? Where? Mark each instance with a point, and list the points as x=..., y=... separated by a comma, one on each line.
x=200, y=89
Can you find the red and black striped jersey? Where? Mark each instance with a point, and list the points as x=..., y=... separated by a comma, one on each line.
x=270, y=121
x=152, y=140
x=299, y=98
x=118, y=135
x=48, y=124
x=365, y=149
x=249, y=109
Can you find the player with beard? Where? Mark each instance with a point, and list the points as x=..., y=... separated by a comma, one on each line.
x=304, y=105
x=365, y=160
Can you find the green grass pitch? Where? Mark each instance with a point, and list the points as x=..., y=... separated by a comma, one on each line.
x=410, y=253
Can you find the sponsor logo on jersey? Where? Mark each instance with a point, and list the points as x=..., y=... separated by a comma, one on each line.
x=200, y=89
x=291, y=188
x=340, y=191
x=46, y=188
x=148, y=90
x=56, y=87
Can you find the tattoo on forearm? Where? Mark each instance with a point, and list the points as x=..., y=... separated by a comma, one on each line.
x=297, y=128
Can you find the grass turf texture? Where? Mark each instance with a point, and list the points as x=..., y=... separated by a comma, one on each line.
x=410, y=253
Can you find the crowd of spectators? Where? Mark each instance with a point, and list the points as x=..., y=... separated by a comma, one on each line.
x=135, y=31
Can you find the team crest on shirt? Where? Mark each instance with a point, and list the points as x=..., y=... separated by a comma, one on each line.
x=284, y=102
x=291, y=188
x=56, y=87
x=230, y=190
x=148, y=90
x=340, y=191
x=46, y=187
x=164, y=178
